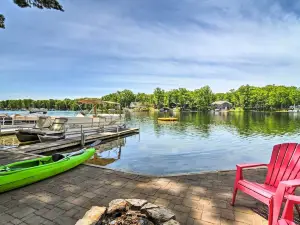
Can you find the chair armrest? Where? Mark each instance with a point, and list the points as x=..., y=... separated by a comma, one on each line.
x=288, y=212
x=293, y=198
x=280, y=194
x=290, y=183
x=240, y=167
x=251, y=165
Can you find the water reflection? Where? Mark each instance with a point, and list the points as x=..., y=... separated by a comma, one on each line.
x=245, y=123
x=107, y=153
x=8, y=141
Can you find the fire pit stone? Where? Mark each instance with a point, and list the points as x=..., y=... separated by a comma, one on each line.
x=117, y=205
x=129, y=212
x=136, y=204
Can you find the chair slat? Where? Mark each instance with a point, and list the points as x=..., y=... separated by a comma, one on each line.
x=272, y=163
x=286, y=161
x=278, y=163
x=293, y=164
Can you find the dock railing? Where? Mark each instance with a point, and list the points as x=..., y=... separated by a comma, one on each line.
x=72, y=127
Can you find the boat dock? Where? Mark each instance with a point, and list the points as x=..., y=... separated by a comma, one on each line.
x=74, y=140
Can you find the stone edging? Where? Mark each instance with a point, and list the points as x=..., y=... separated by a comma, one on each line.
x=167, y=175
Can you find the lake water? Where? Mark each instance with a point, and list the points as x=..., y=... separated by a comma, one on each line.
x=199, y=141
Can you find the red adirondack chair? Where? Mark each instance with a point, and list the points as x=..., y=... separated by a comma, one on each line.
x=288, y=212
x=281, y=180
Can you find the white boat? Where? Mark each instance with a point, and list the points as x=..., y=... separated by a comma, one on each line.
x=100, y=121
x=97, y=119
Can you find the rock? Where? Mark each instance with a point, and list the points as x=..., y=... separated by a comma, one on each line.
x=160, y=215
x=148, y=206
x=171, y=222
x=84, y=222
x=116, y=215
x=136, y=204
x=117, y=205
x=112, y=222
x=92, y=216
x=143, y=221
x=141, y=215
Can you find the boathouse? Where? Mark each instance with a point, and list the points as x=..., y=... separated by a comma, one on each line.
x=222, y=105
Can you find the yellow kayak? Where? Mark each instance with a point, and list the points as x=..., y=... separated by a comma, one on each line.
x=167, y=119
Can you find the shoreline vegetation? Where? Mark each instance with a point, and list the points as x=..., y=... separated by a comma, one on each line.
x=275, y=98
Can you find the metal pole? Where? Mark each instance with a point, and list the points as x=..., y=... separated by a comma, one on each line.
x=92, y=122
x=0, y=129
x=82, y=137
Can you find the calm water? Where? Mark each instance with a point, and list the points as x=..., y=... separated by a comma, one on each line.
x=198, y=141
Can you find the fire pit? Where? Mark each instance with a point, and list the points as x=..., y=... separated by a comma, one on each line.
x=128, y=212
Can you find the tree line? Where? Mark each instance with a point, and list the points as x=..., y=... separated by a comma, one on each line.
x=270, y=97
x=40, y=4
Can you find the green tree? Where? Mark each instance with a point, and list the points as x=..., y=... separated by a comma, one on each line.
x=244, y=93
x=41, y=4
x=184, y=96
x=158, y=96
x=126, y=97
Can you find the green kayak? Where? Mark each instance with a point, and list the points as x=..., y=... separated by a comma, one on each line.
x=29, y=171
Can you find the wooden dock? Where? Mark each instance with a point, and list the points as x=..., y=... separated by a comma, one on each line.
x=73, y=141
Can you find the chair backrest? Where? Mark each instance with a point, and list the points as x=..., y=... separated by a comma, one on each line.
x=43, y=122
x=58, y=124
x=284, y=164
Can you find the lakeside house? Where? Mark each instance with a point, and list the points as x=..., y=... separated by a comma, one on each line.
x=135, y=105
x=294, y=108
x=138, y=106
x=221, y=105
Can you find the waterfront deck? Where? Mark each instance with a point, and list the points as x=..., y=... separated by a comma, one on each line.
x=201, y=199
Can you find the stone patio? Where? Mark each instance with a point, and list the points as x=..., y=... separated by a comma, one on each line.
x=195, y=199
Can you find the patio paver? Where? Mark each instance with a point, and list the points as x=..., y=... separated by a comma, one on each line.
x=195, y=199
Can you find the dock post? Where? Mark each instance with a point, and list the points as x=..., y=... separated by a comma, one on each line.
x=92, y=122
x=82, y=137
x=0, y=129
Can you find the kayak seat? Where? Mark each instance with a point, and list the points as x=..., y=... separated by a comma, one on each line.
x=57, y=157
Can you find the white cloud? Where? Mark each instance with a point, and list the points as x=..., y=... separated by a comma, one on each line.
x=220, y=43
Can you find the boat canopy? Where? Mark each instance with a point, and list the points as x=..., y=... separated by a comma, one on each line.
x=95, y=102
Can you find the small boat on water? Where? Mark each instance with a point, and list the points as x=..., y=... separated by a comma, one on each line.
x=26, y=172
x=38, y=111
x=165, y=109
x=167, y=119
x=57, y=128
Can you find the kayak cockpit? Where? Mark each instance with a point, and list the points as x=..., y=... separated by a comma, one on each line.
x=32, y=163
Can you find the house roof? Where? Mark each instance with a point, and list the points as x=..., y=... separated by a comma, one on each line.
x=220, y=103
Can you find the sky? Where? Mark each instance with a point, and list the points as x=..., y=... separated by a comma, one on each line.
x=97, y=47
